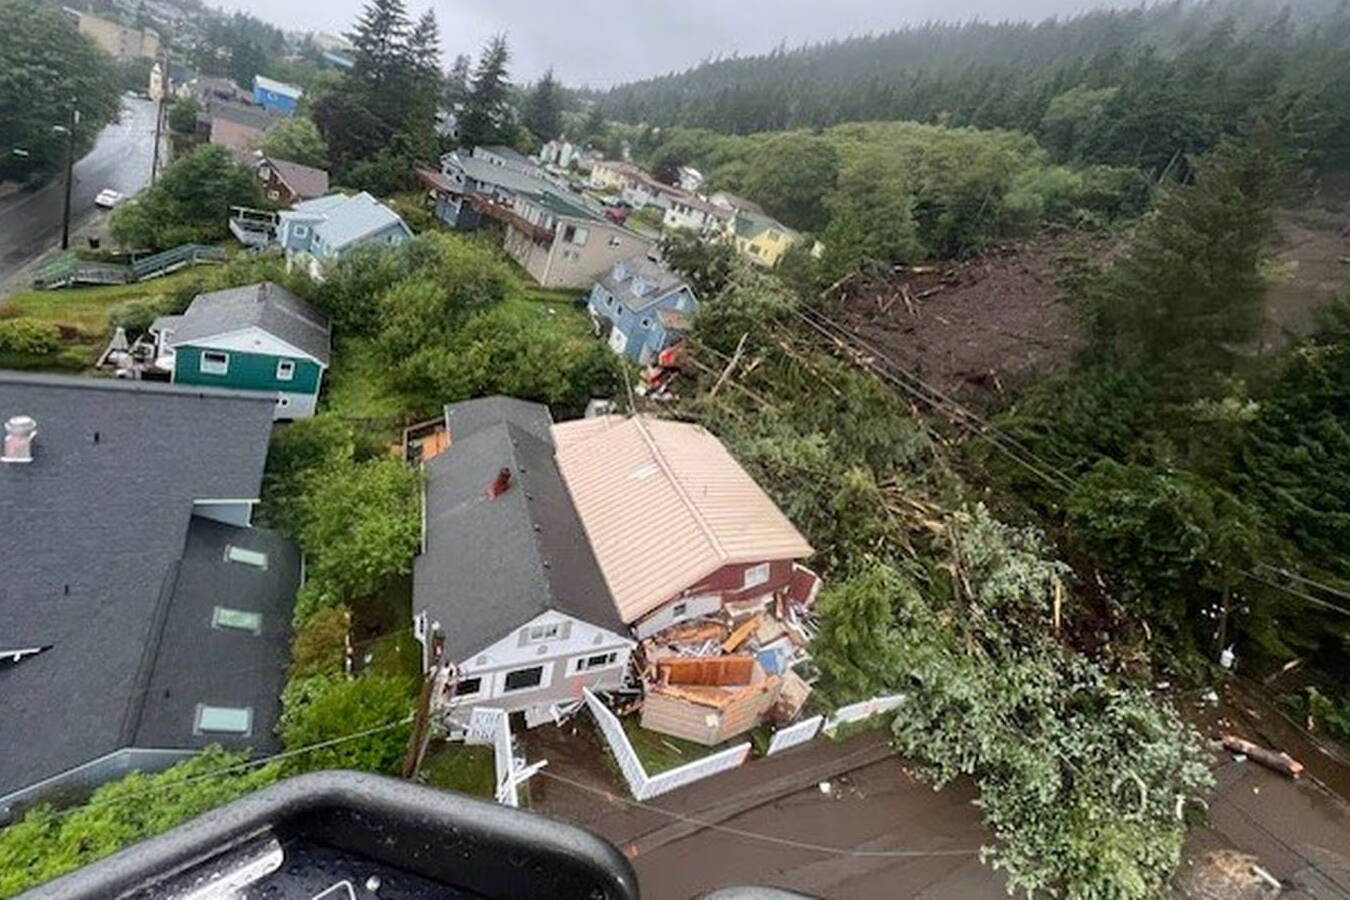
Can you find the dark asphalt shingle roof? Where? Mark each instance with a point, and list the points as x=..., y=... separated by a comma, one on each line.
x=265, y=305
x=305, y=181
x=470, y=416
x=193, y=663
x=90, y=531
x=491, y=565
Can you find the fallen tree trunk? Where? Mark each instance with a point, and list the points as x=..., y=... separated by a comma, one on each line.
x=1279, y=762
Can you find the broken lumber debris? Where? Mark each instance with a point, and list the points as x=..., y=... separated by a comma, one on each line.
x=1276, y=761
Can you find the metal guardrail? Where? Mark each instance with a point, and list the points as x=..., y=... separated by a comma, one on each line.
x=70, y=269
x=176, y=258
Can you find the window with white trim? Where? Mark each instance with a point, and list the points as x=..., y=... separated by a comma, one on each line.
x=300, y=231
x=595, y=661
x=679, y=610
x=236, y=720
x=523, y=679
x=213, y=362
x=538, y=633
x=274, y=195
x=615, y=241
x=467, y=687
x=285, y=370
x=755, y=576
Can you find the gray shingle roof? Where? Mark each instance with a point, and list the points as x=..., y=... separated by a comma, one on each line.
x=98, y=520
x=265, y=305
x=471, y=416
x=659, y=282
x=351, y=219
x=493, y=564
x=192, y=662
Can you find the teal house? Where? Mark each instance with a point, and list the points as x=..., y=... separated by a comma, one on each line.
x=260, y=337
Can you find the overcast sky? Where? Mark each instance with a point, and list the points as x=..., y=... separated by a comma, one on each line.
x=602, y=42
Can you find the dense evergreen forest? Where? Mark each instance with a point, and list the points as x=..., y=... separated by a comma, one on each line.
x=1132, y=87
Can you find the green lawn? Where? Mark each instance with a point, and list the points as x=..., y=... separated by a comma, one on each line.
x=82, y=312
x=460, y=767
x=359, y=386
x=382, y=630
x=660, y=752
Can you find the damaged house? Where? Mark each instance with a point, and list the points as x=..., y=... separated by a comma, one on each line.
x=507, y=590
x=553, y=552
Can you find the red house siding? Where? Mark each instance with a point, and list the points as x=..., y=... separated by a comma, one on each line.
x=728, y=580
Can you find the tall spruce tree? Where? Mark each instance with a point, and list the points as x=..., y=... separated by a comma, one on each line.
x=381, y=70
x=486, y=112
x=543, y=109
x=457, y=81
x=424, y=61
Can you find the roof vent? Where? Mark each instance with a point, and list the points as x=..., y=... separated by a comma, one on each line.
x=19, y=434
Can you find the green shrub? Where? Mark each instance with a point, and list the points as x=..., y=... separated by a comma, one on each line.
x=29, y=336
x=137, y=315
x=323, y=708
x=320, y=645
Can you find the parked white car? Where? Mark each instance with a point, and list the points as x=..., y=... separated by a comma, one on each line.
x=108, y=198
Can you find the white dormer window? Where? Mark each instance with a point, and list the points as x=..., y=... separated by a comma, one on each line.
x=538, y=633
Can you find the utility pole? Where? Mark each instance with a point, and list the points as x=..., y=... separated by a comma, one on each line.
x=432, y=683
x=70, y=172
x=159, y=115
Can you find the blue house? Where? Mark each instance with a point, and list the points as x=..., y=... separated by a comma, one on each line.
x=316, y=232
x=645, y=307
x=275, y=95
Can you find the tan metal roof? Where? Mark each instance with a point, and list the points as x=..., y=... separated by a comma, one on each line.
x=665, y=505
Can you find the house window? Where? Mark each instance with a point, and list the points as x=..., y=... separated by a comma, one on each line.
x=254, y=558
x=537, y=633
x=571, y=255
x=213, y=362
x=301, y=231
x=646, y=323
x=598, y=661
x=285, y=369
x=679, y=610
x=756, y=575
x=236, y=619
x=274, y=195
x=236, y=720
x=467, y=687
x=574, y=234
x=614, y=241
x=523, y=679
x=609, y=301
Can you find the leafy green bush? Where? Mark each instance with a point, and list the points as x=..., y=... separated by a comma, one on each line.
x=190, y=203
x=323, y=708
x=137, y=315
x=359, y=524
x=46, y=843
x=320, y=645
x=296, y=452
x=29, y=336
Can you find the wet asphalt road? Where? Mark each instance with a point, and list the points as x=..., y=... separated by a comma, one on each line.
x=30, y=221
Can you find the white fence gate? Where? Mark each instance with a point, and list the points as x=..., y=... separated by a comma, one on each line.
x=860, y=711
x=642, y=785
x=493, y=726
x=793, y=735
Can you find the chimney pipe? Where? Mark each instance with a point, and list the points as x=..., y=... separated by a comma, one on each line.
x=19, y=434
x=499, y=484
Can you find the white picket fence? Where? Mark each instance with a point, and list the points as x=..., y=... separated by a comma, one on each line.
x=860, y=711
x=644, y=786
x=793, y=735
x=493, y=726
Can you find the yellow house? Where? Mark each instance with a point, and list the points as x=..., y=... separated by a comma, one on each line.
x=612, y=174
x=761, y=239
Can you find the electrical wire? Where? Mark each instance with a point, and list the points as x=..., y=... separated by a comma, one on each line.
x=1039, y=465
x=755, y=835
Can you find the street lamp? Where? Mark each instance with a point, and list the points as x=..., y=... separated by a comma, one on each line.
x=69, y=132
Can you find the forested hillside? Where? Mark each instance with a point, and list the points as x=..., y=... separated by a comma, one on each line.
x=1122, y=87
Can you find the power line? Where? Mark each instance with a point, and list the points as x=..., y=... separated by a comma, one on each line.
x=755, y=835
x=228, y=770
x=989, y=432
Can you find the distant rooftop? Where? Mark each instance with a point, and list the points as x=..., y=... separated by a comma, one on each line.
x=264, y=305
x=277, y=87
x=344, y=220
